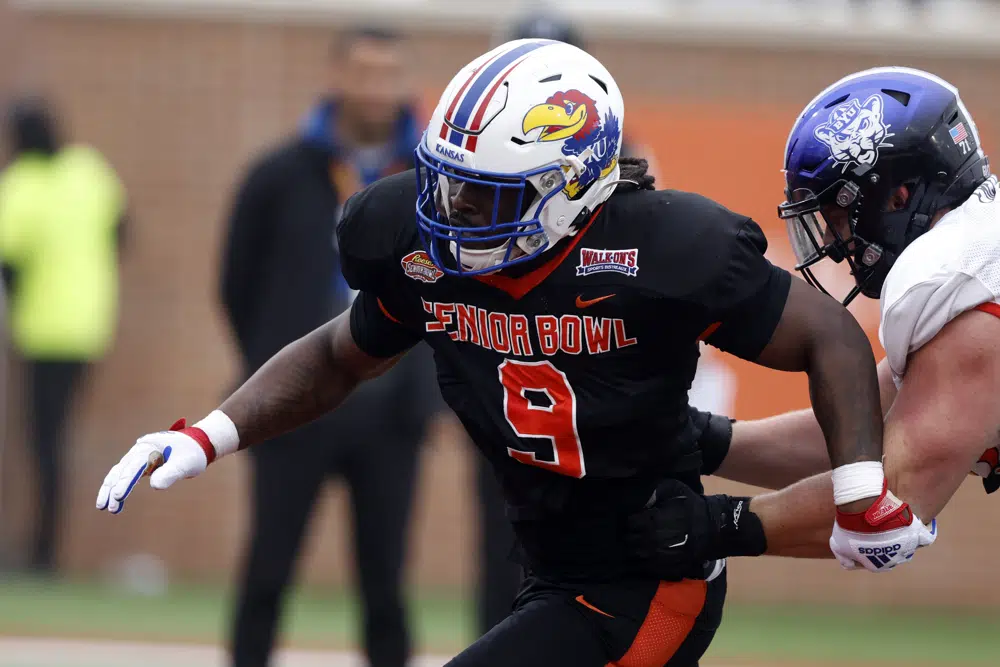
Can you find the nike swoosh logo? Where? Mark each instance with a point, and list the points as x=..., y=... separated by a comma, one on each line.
x=585, y=303
x=579, y=598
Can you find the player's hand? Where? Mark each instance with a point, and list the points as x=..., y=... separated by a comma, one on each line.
x=166, y=456
x=886, y=534
x=680, y=530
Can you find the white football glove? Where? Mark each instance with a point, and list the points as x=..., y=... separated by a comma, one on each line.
x=167, y=456
x=882, y=537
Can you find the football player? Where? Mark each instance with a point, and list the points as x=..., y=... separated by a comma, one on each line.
x=885, y=173
x=564, y=299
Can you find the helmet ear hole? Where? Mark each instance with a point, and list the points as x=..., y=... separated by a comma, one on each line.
x=900, y=197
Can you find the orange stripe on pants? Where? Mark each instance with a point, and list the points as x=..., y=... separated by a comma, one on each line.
x=671, y=616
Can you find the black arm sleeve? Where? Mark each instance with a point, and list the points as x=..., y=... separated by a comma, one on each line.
x=745, y=301
x=375, y=331
x=245, y=245
x=715, y=436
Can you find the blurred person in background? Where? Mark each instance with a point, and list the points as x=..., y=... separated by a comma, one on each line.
x=499, y=576
x=62, y=213
x=281, y=279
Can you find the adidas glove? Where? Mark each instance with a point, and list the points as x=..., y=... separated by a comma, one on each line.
x=882, y=537
x=167, y=456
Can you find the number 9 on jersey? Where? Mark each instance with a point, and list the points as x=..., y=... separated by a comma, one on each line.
x=525, y=383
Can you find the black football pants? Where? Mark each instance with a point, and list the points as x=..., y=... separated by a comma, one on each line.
x=53, y=385
x=639, y=623
x=288, y=473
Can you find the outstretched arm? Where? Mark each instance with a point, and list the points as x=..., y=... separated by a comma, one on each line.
x=305, y=380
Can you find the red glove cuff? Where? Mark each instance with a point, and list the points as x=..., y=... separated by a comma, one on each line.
x=198, y=436
x=887, y=513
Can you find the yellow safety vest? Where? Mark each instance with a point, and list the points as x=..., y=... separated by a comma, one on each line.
x=58, y=218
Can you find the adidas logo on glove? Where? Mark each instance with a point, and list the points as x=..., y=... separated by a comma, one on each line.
x=880, y=556
x=865, y=551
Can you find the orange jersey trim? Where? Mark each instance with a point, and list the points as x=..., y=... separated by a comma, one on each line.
x=386, y=312
x=521, y=285
x=711, y=329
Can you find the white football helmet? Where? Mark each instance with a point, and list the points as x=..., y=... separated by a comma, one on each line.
x=535, y=116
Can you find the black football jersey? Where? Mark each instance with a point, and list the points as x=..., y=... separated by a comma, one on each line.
x=571, y=377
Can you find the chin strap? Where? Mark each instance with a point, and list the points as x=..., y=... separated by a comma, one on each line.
x=623, y=180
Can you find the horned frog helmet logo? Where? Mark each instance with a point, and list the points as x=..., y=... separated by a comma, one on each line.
x=573, y=118
x=855, y=131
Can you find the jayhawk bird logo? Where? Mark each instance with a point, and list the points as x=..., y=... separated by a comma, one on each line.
x=572, y=117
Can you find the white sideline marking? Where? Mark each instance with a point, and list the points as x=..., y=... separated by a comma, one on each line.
x=46, y=652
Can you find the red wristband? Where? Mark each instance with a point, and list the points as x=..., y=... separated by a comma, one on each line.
x=198, y=436
x=887, y=513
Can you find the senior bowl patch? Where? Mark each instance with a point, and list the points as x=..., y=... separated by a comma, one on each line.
x=418, y=265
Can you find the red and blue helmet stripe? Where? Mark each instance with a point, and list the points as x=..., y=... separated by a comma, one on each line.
x=463, y=120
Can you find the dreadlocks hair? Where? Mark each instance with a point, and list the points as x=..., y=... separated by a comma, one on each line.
x=634, y=175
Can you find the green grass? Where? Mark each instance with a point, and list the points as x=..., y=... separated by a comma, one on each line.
x=443, y=623
x=200, y=613
x=859, y=635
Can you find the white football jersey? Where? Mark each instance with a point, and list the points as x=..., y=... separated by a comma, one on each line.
x=950, y=269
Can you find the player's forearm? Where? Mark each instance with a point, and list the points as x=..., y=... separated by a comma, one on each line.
x=844, y=389
x=927, y=485
x=929, y=454
x=776, y=451
x=304, y=381
x=946, y=413
x=797, y=519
